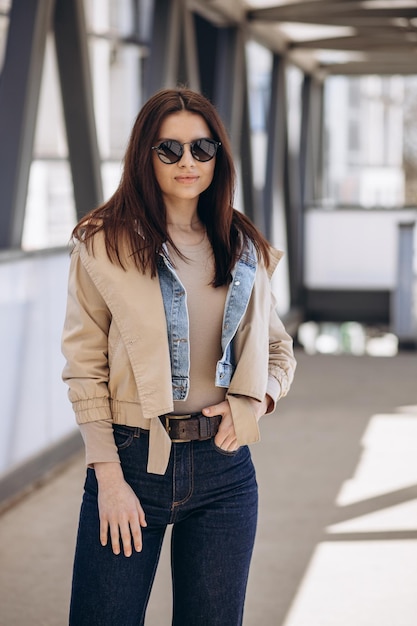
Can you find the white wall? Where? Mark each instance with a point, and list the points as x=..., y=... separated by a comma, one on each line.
x=352, y=249
x=35, y=410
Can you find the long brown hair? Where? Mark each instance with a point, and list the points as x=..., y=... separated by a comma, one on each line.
x=134, y=218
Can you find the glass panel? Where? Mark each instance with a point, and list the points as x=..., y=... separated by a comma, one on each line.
x=294, y=83
x=117, y=91
x=50, y=209
x=116, y=69
x=259, y=63
x=111, y=172
x=118, y=17
x=50, y=212
x=50, y=136
x=97, y=16
x=365, y=140
x=122, y=16
x=36, y=413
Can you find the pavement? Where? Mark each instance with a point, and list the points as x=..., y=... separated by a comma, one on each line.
x=337, y=535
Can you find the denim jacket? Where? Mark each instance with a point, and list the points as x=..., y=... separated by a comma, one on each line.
x=175, y=304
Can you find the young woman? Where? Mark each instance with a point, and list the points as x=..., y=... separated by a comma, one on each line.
x=174, y=351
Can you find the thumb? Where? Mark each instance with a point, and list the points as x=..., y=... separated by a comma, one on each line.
x=215, y=409
x=209, y=410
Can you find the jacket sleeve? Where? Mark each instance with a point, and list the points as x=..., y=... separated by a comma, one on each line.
x=99, y=443
x=282, y=363
x=85, y=345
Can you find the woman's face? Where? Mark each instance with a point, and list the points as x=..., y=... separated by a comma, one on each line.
x=182, y=182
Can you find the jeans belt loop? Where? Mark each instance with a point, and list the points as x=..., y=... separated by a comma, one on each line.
x=204, y=428
x=167, y=426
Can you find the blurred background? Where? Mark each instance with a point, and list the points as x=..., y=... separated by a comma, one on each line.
x=320, y=100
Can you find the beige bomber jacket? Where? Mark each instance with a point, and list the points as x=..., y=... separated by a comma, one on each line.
x=117, y=354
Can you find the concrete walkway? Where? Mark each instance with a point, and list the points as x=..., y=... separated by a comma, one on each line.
x=337, y=538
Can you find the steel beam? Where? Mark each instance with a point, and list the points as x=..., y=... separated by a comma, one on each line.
x=362, y=68
x=223, y=75
x=77, y=97
x=207, y=36
x=189, y=55
x=253, y=209
x=318, y=139
x=293, y=211
x=305, y=143
x=282, y=199
x=275, y=199
x=173, y=51
x=307, y=166
x=320, y=10
x=232, y=100
x=228, y=87
x=19, y=97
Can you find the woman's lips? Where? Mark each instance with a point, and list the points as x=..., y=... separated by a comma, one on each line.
x=186, y=179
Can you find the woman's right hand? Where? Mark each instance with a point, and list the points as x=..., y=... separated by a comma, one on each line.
x=120, y=511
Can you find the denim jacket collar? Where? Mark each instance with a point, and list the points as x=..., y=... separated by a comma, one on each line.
x=175, y=304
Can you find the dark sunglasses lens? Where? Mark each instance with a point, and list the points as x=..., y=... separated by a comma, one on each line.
x=204, y=149
x=170, y=151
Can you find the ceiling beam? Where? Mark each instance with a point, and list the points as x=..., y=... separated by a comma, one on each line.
x=218, y=12
x=363, y=20
x=372, y=67
x=282, y=12
x=384, y=36
x=316, y=10
x=357, y=43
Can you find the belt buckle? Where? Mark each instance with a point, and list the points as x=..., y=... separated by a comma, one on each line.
x=168, y=427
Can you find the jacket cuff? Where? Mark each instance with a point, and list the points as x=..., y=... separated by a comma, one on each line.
x=92, y=410
x=244, y=420
x=99, y=442
x=273, y=389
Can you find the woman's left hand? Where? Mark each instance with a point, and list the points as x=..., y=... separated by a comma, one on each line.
x=226, y=436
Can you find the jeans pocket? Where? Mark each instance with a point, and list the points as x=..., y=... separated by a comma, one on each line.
x=123, y=436
x=223, y=452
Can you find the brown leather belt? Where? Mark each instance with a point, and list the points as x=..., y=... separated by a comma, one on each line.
x=192, y=427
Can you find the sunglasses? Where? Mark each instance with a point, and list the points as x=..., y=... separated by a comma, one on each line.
x=170, y=151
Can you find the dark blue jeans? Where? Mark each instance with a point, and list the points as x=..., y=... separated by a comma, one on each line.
x=210, y=496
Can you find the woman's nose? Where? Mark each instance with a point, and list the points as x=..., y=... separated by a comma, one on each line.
x=187, y=156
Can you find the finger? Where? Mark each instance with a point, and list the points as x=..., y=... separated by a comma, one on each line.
x=115, y=538
x=136, y=537
x=104, y=531
x=220, y=438
x=126, y=538
x=230, y=446
x=217, y=409
x=135, y=529
x=226, y=428
x=226, y=441
x=136, y=524
x=142, y=518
